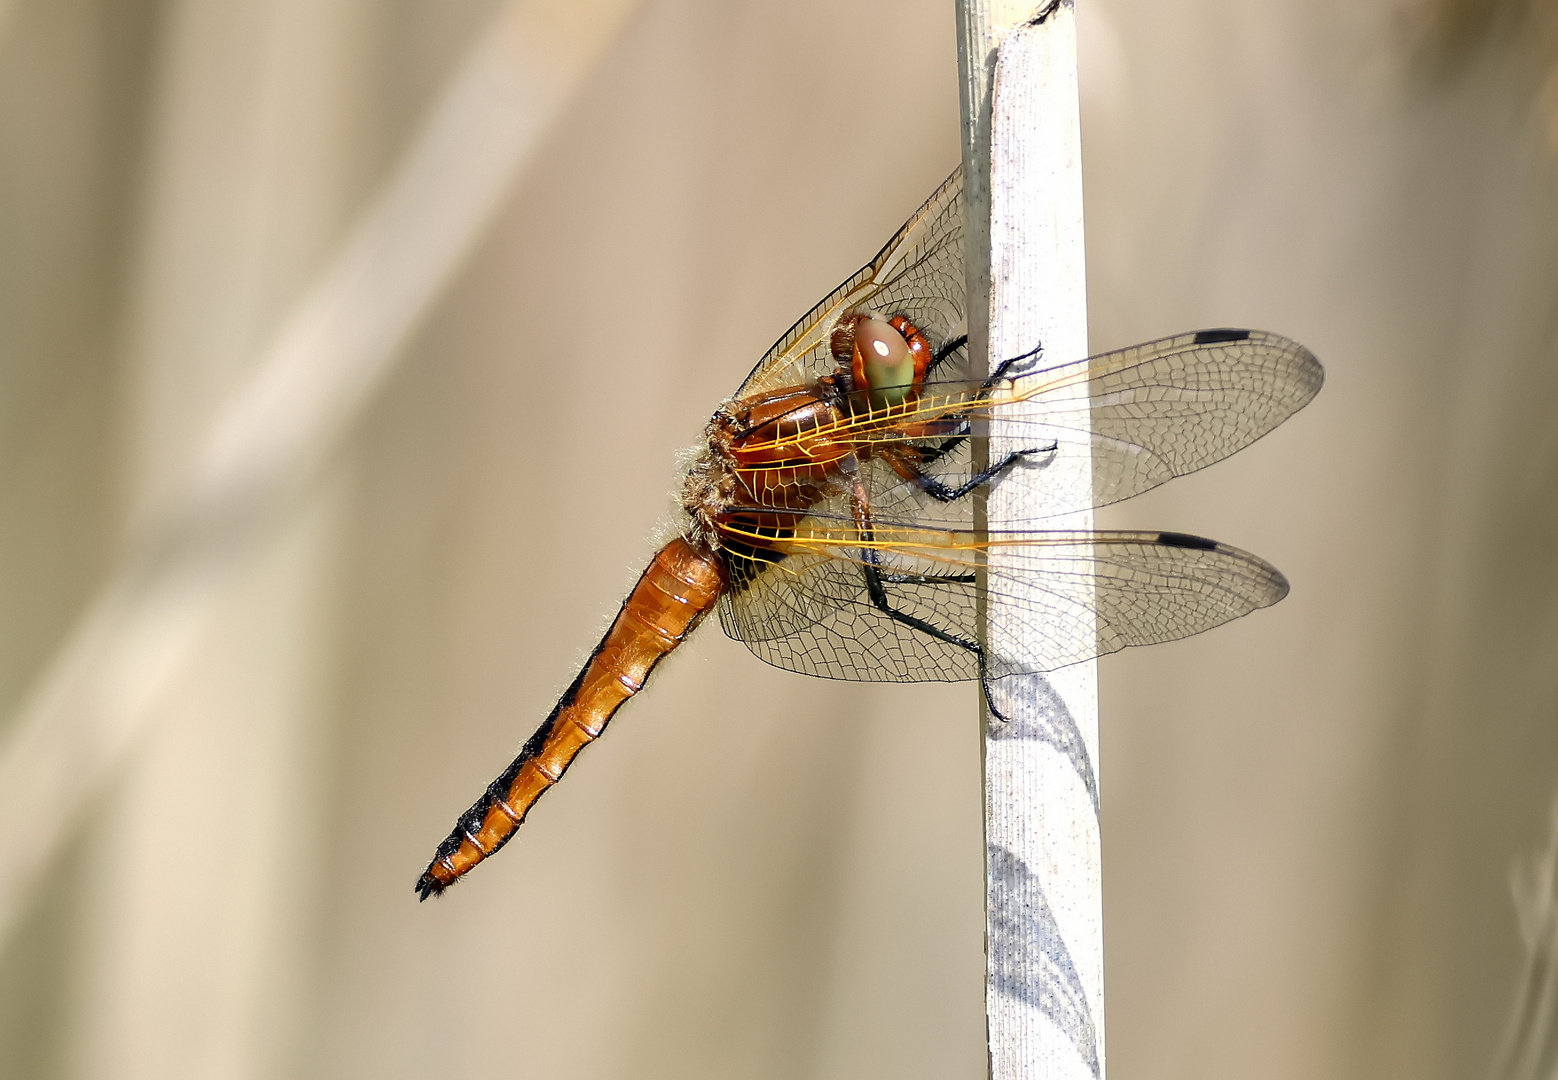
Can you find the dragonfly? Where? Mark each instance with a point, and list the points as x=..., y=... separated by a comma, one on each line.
x=833, y=512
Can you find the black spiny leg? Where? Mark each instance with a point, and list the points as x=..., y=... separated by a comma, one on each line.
x=952, y=345
x=935, y=488
x=941, y=492
x=1006, y=365
x=952, y=442
x=872, y=569
x=928, y=454
x=948, y=347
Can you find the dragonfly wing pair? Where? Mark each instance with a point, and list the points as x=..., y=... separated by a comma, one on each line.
x=1071, y=595
x=1097, y=430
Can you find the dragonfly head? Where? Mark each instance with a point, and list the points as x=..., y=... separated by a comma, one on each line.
x=886, y=358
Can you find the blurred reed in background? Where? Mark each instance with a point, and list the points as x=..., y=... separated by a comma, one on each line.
x=1449, y=32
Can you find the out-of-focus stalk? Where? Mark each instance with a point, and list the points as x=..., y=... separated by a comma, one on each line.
x=326, y=357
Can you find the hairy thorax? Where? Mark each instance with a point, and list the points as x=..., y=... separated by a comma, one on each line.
x=767, y=458
x=778, y=452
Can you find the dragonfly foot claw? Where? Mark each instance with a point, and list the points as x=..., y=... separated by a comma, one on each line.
x=1006, y=367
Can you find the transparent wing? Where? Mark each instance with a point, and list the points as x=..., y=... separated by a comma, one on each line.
x=918, y=274
x=1143, y=415
x=1098, y=430
x=902, y=603
x=902, y=606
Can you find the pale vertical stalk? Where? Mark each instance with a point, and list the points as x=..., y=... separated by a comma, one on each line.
x=1044, y=910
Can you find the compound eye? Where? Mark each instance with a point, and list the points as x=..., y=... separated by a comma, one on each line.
x=883, y=362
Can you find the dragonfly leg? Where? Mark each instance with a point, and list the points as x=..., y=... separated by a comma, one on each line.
x=984, y=688
x=925, y=579
x=928, y=454
x=876, y=580
x=879, y=600
x=1006, y=365
x=948, y=347
x=952, y=345
x=905, y=465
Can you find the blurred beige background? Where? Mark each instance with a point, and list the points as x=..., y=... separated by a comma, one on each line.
x=1309, y=816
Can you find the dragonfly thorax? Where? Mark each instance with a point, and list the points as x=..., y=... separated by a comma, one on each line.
x=769, y=457
x=764, y=460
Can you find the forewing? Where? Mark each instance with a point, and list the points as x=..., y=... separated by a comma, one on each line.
x=1102, y=429
x=1146, y=414
x=918, y=274
x=1062, y=597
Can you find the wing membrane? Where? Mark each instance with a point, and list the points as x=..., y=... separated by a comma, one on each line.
x=1067, y=597
x=903, y=602
x=1111, y=426
x=1142, y=415
x=919, y=274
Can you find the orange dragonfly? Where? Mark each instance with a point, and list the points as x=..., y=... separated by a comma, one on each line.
x=829, y=514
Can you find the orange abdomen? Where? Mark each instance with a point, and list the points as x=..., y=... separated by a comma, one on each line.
x=680, y=586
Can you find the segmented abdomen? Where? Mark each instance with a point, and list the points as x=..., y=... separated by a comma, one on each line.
x=681, y=585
